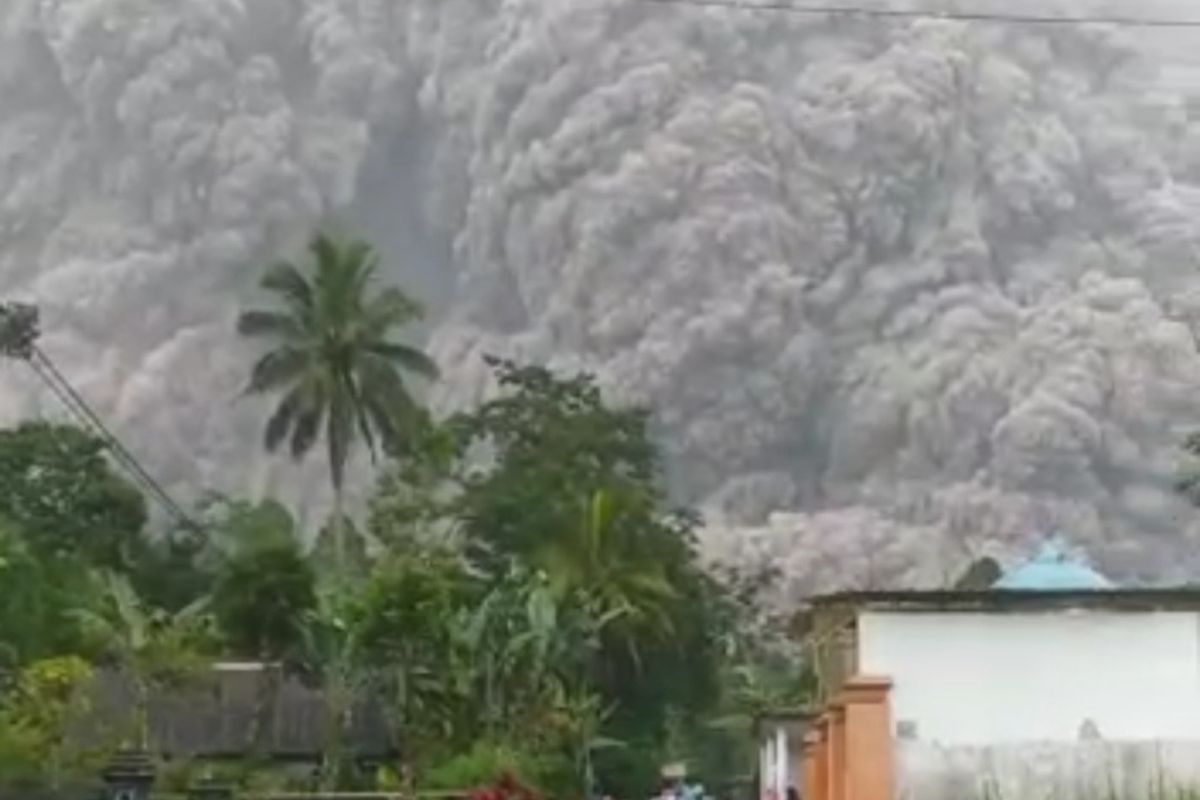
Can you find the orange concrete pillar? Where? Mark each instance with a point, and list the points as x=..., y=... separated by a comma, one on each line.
x=869, y=751
x=821, y=759
x=836, y=762
x=812, y=767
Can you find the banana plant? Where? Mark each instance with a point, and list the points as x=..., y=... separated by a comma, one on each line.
x=332, y=649
x=603, y=563
x=150, y=647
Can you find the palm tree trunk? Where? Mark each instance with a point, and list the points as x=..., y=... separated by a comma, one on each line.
x=331, y=756
x=266, y=706
x=141, y=714
x=339, y=532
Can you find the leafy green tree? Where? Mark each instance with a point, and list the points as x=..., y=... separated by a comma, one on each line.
x=332, y=361
x=551, y=477
x=180, y=567
x=553, y=440
x=264, y=594
x=261, y=597
x=591, y=596
x=240, y=526
x=38, y=595
x=65, y=499
x=417, y=499
x=35, y=712
x=340, y=542
x=174, y=570
x=409, y=612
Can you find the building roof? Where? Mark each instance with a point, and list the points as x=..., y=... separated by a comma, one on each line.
x=1052, y=569
x=213, y=716
x=1049, y=581
x=992, y=601
x=793, y=714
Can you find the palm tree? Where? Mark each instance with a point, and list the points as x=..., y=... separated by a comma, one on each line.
x=332, y=362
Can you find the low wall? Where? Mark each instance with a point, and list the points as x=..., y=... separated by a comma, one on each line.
x=1053, y=771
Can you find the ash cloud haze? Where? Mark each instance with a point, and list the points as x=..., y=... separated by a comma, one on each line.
x=899, y=292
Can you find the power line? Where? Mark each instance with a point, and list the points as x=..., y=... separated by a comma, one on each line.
x=961, y=16
x=19, y=332
x=58, y=383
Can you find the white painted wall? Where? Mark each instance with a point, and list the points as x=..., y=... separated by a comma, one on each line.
x=1073, y=770
x=982, y=679
x=766, y=768
x=783, y=766
x=779, y=750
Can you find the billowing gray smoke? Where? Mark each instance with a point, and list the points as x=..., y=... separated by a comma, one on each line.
x=900, y=292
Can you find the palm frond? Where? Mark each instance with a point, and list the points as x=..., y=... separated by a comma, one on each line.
x=286, y=280
x=362, y=418
x=390, y=308
x=128, y=609
x=598, y=524
x=277, y=368
x=606, y=743
x=388, y=401
x=380, y=419
x=194, y=610
x=326, y=293
x=409, y=358
x=307, y=427
x=361, y=261
x=268, y=323
x=652, y=583
x=92, y=624
x=284, y=415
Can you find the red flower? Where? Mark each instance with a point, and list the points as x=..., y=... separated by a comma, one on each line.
x=506, y=787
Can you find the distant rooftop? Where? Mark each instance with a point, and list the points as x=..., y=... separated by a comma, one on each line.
x=1050, y=570
x=1002, y=602
x=1051, y=580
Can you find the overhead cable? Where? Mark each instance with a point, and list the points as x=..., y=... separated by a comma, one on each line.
x=870, y=12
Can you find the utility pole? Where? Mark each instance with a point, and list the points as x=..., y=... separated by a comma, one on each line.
x=19, y=330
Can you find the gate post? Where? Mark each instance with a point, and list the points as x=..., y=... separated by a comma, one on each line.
x=870, y=760
x=814, y=767
x=835, y=770
x=129, y=776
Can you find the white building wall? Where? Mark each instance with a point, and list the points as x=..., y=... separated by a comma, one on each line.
x=1065, y=771
x=970, y=679
x=780, y=747
x=766, y=768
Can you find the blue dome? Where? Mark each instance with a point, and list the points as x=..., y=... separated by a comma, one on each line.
x=1052, y=570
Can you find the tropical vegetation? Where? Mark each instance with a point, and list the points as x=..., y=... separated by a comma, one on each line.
x=528, y=606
